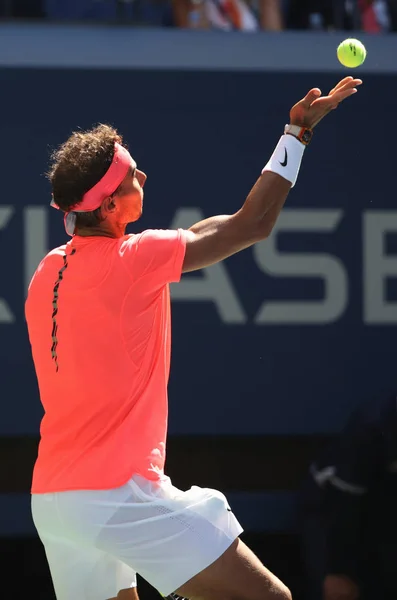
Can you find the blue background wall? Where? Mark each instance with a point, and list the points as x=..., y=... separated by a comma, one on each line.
x=203, y=138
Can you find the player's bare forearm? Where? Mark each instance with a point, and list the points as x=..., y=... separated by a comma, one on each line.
x=264, y=203
x=221, y=236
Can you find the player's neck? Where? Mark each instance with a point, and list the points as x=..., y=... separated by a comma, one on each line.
x=116, y=230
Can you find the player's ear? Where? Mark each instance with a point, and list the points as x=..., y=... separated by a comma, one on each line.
x=109, y=204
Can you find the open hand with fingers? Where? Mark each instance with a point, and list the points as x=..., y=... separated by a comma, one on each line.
x=309, y=111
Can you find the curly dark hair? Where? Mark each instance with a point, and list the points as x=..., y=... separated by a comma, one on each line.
x=78, y=164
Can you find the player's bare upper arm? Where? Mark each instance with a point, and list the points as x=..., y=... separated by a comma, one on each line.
x=216, y=238
x=213, y=240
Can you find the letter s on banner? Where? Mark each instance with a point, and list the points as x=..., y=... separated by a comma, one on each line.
x=322, y=266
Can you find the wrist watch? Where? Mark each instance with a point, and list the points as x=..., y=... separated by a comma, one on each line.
x=303, y=134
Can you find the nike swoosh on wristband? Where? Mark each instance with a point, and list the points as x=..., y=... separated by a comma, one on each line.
x=285, y=162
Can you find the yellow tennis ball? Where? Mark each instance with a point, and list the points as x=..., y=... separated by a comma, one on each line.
x=351, y=53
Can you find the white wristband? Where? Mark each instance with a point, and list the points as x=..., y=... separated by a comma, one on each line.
x=286, y=159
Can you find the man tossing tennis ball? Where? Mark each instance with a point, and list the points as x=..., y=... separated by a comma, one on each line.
x=98, y=313
x=351, y=53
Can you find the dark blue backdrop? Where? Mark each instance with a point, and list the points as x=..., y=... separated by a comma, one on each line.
x=203, y=139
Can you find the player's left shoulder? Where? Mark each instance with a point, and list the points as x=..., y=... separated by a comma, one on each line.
x=48, y=268
x=53, y=258
x=59, y=251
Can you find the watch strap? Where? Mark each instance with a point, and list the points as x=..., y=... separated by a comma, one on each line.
x=303, y=134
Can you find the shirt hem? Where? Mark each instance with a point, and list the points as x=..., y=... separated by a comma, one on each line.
x=75, y=488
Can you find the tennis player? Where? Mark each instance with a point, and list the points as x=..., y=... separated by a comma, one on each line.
x=98, y=315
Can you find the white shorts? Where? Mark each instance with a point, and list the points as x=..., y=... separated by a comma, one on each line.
x=97, y=541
